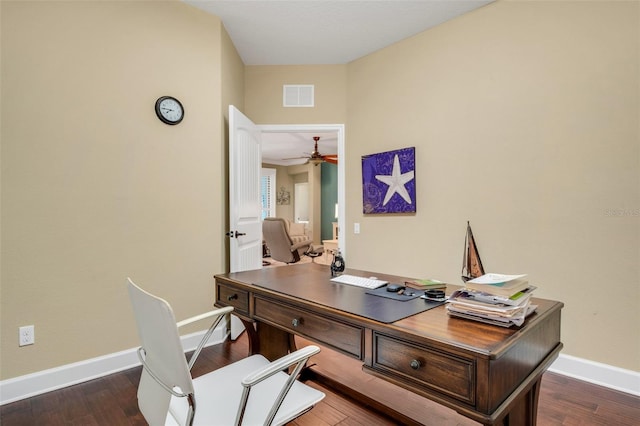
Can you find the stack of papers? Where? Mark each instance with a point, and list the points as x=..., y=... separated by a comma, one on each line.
x=499, y=284
x=497, y=299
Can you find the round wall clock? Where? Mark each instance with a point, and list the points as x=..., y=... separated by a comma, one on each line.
x=169, y=110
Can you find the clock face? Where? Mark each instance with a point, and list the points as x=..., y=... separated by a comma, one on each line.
x=169, y=110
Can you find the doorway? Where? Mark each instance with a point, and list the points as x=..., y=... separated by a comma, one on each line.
x=338, y=129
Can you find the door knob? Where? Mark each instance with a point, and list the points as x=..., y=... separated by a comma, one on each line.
x=235, y=234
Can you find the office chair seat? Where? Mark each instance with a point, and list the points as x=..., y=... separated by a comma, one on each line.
x=222, y=389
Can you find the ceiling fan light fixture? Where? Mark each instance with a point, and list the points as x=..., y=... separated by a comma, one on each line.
x=316, y=158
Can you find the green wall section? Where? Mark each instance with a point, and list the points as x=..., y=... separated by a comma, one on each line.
x=329, y=198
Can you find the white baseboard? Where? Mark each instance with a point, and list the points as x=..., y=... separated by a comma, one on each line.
x=29, y=385
x=22, y=387
x=627, y=381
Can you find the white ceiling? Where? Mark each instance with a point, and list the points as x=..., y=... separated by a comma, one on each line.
x=312, y=32
x=305, y=32
x=288, y=149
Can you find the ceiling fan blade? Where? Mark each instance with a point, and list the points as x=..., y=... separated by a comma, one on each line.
x=315, y=157
x=295, y=158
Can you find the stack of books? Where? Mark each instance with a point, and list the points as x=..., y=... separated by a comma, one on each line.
x=424, y=284
x=497, y=299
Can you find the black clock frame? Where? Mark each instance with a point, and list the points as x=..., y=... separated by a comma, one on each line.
x=159, y=114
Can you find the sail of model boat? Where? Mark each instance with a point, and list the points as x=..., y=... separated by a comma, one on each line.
x=471, y=263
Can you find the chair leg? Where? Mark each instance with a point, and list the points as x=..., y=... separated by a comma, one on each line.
x=314, y=252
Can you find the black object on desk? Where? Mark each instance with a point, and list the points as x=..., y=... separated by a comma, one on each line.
x=394, y=287
x=434, y=294
x=337, y=265
x=402, y=295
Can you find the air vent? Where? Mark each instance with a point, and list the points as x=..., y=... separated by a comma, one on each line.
x=297, y=95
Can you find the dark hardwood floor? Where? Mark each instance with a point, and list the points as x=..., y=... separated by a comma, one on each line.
x=111, y=400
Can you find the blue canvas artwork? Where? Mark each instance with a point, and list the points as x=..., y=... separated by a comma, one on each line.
x=388, y=182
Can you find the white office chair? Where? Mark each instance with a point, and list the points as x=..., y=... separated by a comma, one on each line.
x=252, y=391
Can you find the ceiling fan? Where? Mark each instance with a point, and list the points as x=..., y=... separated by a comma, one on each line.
x=316, y=158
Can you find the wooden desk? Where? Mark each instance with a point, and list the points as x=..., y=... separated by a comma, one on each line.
x=489, y=374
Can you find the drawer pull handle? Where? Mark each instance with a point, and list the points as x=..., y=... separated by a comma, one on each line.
x=415, y=364
x=232, y=297
x=295, y=322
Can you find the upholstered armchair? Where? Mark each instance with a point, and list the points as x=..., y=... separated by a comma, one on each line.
x=297, y=231
x=283, y=246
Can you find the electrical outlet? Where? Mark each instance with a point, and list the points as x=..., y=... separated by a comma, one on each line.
x=27, y=335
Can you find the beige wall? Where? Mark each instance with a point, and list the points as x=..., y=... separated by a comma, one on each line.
x=263, y=101
x=524, y=116
x=283, y=179
x=94, y=187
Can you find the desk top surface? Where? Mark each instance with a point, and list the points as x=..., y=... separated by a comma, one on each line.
x=310, y=284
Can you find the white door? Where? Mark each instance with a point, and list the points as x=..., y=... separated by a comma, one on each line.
x=301, y=202
x=245, y=163
x=245, y=207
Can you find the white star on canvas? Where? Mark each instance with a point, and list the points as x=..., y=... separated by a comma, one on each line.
x=396, y=182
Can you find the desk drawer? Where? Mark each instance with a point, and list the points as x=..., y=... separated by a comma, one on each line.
x=344, y=337
x=227, y=295
x=437, y=370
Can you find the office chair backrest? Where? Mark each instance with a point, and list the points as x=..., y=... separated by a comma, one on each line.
x=280, y=245
x=163, y=354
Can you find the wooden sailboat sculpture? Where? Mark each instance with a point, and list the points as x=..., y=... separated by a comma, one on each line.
x=471, y=263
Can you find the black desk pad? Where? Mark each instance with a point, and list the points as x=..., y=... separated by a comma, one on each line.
x=347, y=298
x=391, y=310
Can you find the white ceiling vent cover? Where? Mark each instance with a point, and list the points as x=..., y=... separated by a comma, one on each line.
x=297, y=95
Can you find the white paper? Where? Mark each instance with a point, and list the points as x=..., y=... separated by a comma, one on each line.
x=495, y=278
